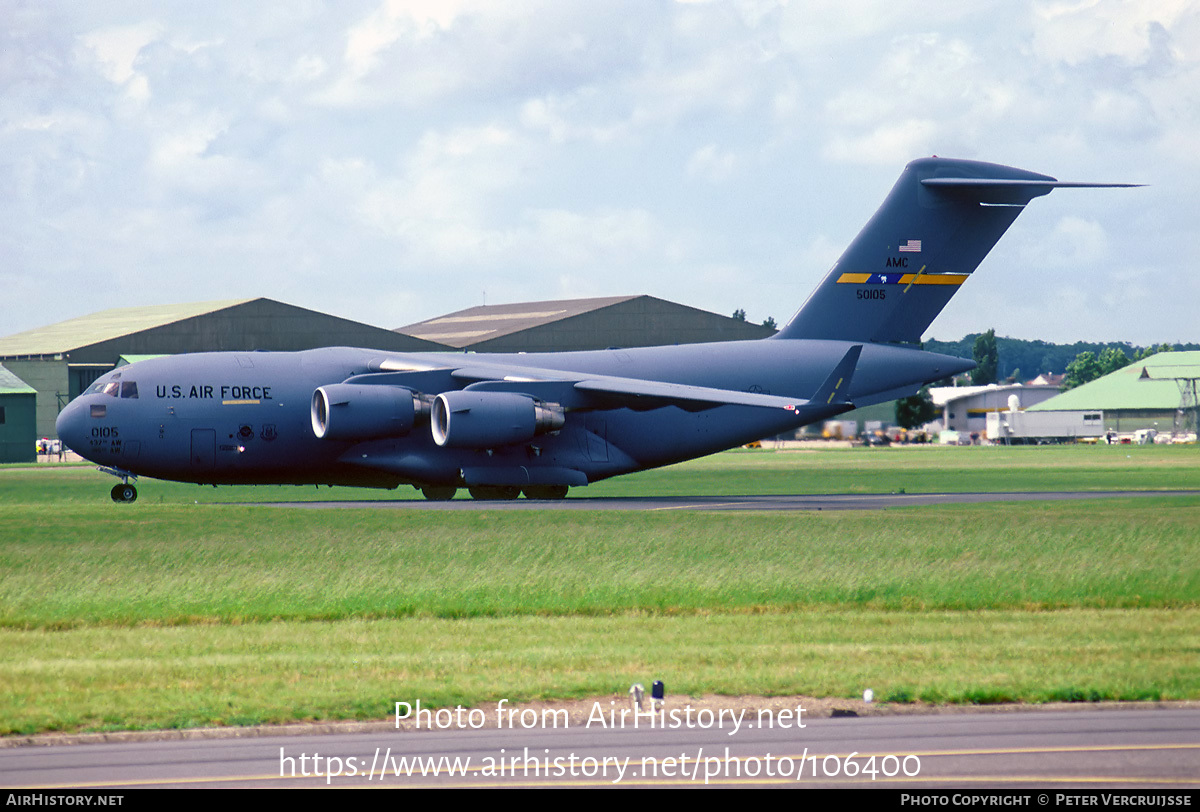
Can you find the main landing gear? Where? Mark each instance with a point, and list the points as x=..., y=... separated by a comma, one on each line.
x=495, y=492
x=439, y=493
x=488, y=493
x=546, y=491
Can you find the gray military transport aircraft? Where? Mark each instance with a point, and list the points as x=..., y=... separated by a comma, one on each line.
x=540, y=423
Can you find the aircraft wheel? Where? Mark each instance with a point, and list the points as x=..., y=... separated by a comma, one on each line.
x=546, y=491
x=124, y=493
x=439, y=493
x=494, y=492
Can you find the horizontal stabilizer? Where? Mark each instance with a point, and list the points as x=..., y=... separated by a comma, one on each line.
x=1032, y=184
x=1010, y=191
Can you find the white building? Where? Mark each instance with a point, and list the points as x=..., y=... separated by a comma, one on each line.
x=965, y=408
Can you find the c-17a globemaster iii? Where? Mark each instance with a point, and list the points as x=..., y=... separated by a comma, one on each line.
x=540, y=423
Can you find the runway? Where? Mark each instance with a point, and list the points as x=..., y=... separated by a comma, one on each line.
x=882, y=501
x=1089, y=749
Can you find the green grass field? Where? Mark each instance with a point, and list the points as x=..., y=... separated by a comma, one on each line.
x=914, y=469
x=176, y=612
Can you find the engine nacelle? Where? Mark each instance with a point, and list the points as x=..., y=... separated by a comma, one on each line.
x=465, y=419
x=354, y=412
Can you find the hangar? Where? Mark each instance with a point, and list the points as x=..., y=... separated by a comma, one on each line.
x=1158, y=392
x=581, y=324
x=61, y=360
x=18, y=429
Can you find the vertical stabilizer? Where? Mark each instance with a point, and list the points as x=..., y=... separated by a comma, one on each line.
x=935, y=227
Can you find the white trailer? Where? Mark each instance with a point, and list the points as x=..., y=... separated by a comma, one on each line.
x=1044, y=427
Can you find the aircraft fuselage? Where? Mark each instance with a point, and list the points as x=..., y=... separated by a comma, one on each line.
x=226, y=418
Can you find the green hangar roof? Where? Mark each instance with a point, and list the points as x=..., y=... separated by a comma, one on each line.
x=56, y=339
x=1145, y=385
x=231, y=324
x=10, y=384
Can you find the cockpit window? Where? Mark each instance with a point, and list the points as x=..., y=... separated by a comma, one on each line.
x=113, y=388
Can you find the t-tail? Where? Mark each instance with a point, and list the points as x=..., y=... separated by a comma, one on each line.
x=935, y=227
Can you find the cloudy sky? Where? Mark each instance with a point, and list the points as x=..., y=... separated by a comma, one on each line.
x=391, y=161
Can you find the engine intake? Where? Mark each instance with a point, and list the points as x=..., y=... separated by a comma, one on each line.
x=356, y=412
x=465, y=419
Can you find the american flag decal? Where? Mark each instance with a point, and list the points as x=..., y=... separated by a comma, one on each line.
x=911, y=247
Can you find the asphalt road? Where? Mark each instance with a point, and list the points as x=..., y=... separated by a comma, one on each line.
x=722, y=503
x=1092, y=749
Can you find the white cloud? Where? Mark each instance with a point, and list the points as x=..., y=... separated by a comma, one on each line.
x=579, y=116
x=1074, y=241
x=893, y=144
x=712, y=164
x=416, y=150
x=1075, y=31
x=117, y=47
x=394, y=21
x=116, y=50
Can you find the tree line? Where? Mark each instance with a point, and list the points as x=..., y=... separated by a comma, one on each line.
x=991, y=354
x=1019, y=358
x=1016, y=359
x=1022, y=360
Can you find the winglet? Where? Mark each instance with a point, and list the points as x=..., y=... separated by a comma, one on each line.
x=831, y=396
x=834, y=389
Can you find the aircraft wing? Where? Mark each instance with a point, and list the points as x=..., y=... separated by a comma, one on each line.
x=656, y=393
x=585, y=391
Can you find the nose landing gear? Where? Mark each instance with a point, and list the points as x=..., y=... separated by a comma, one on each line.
x=124, y=493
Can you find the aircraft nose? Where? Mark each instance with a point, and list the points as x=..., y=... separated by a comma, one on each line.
x=71, y=426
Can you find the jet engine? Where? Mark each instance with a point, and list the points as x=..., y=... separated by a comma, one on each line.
x=464, y=419
x=356, y=412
